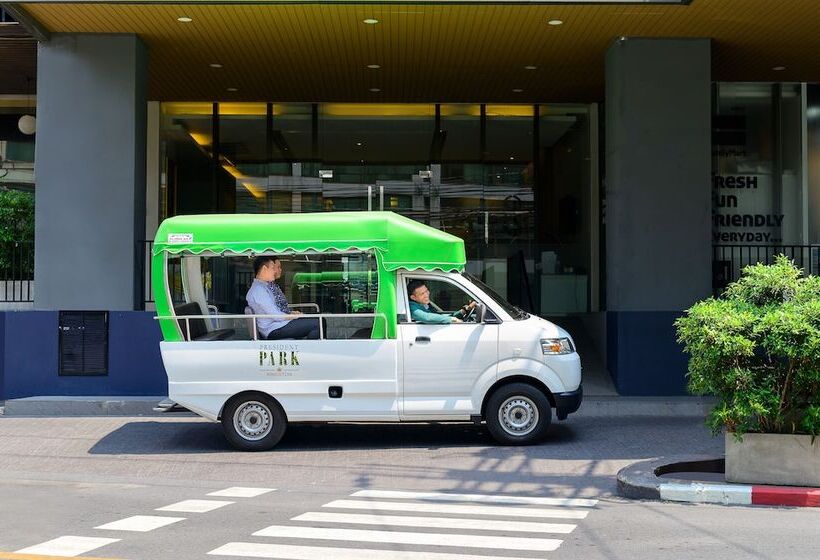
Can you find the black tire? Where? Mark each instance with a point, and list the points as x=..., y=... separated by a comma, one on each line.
x=518, y=414
x=253, y=422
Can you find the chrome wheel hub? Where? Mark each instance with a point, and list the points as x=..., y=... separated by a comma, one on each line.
x=518, y=416
x=252, y=420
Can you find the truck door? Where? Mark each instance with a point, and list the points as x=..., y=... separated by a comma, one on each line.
x=442, y=362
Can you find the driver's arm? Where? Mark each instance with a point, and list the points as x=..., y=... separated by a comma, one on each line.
x=428, y=317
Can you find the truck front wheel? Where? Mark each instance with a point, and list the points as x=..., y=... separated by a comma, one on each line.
x=253, y=422
x=518, y=414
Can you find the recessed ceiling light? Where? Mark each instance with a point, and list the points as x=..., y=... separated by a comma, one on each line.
x=233, y=89
x=555, y=22
x=184, y=19
x=358, y=143
x=779, y=68
x=215, y=65
x=518, y=90
x=530, y=67
x=375, y=90
x=370, y=21
x=512, y=157
x=373, y=66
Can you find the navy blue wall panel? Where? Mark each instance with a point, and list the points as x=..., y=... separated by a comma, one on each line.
x=31, y=362
x=644, y=356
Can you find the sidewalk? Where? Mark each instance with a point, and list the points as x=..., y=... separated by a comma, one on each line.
x=591, y=407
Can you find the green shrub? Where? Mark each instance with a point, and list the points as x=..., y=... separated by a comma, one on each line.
x=757, y=349
x=16, y=234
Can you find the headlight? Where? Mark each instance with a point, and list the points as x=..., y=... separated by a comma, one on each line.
x=556, y=346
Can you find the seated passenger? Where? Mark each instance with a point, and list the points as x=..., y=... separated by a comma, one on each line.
x=420, y=306
x=266, y=298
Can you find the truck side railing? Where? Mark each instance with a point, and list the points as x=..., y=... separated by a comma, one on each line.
x=253, y=318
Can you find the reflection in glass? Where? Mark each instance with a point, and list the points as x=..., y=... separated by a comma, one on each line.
x=513, y=181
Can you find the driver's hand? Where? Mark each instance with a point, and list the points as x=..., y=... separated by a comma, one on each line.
x=456, y=320
x=469, y=307
x=294, y=312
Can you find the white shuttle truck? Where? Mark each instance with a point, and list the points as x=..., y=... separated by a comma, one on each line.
x=500, y=365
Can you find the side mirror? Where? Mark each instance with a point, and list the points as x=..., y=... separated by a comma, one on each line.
x=480, y=311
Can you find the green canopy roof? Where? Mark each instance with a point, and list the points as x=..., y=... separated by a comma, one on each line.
x=399, y=241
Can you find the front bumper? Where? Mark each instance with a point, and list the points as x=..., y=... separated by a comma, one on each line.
x=569, y=402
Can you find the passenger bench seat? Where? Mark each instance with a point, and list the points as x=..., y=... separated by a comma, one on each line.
x=199, y=332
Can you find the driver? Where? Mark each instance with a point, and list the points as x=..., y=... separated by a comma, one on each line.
x=420, y=306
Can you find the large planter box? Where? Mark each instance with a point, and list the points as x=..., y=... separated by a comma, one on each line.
x=783, y=459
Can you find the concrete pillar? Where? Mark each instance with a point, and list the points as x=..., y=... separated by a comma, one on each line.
x=658, y=204
x=91, y=142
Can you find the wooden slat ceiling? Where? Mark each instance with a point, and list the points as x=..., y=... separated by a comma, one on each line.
x=455, y=53
x=18, y=60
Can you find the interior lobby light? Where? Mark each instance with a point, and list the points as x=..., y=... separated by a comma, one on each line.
x=27, y=124
x=200, y=138
x=373, y=66
x=518, y=90
x=215, y=65
x=232, y=89
x=375, y=90
x=184, y=19
x=530, y=67
x=555, y=22
x=370, y=21
x=779, y=68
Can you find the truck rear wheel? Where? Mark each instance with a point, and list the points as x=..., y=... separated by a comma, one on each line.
x=253, y=422
x=518, y=414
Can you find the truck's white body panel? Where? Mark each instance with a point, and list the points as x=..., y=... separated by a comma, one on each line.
x=410, y=378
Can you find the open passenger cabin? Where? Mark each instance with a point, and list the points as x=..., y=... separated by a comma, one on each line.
x=339, y=266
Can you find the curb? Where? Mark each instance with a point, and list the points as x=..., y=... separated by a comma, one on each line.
x=641, y=481
x=82, y=406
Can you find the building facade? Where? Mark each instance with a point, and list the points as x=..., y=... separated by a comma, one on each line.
x=607, y=164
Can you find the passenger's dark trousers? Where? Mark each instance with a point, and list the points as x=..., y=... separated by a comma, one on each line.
x=298, y=328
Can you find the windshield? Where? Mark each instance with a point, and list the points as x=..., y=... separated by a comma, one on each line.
x=515, y=312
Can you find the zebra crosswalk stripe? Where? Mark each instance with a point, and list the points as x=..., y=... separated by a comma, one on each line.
x=436, y=522
x=400, y=537
x=67, y=545
x=509, y=511
x=290, y=552
x=480, y=498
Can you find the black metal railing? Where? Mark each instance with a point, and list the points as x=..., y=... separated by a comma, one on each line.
x=728, y=261
x=16, y=271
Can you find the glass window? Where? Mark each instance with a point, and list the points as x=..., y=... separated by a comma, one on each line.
x=193, y=181
x=757, y=183
x=446, y=298
x=813, y=148
x=521, y=203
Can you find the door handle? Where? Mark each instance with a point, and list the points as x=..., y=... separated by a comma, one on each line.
x=422, y=339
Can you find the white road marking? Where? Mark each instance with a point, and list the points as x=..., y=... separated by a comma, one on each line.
x=436, y=522
x=256, y=550
x=140, y=523
x=481, y=498
x=67, y=546
x=399, y=537
x=458, y=509
x=195, y=506
x=241, y=492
